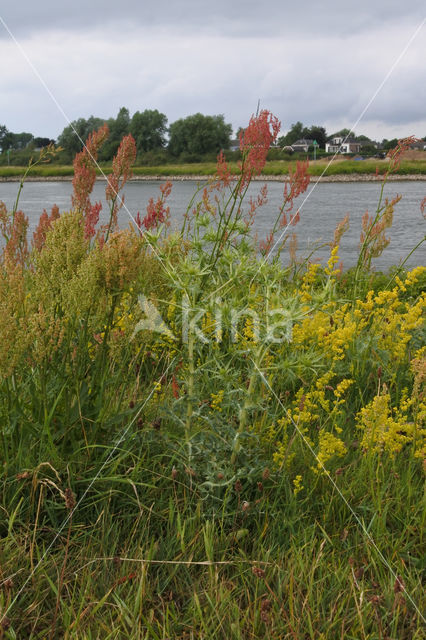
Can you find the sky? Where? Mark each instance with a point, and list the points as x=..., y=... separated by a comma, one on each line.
x=359, y=65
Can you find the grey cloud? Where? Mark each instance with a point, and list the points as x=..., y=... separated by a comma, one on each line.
x=239, y=17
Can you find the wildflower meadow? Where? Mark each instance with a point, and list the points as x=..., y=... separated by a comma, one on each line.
x=204, y=436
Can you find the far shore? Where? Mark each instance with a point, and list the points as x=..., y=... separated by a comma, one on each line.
x=352, y=177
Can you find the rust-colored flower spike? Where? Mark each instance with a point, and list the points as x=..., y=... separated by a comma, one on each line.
x=16, y=250
x=121, y=172
x=340, y=229
x=423, y=207
x=395, y=154
x=255, y=141
x=85, y=170
x=44, y=224
x=223, y=172
x=157, y=213
x=266, y=473
x=258, y=572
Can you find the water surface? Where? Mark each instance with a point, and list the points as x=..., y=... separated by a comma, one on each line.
x=321, y=208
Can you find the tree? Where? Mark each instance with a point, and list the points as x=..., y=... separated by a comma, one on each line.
x=343, y=133
x=76, y=133
x=319, y=134
x=389, y=144
x=148, y=129
x=15, y=141
x=199, y=134
x=42, y=142
x=3, y=137
x=118, y=128
x=297, y=131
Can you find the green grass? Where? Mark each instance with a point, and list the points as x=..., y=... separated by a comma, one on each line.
x=273, y=168
x=146, y=556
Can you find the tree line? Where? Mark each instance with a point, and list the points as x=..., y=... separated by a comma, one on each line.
x=190, y=139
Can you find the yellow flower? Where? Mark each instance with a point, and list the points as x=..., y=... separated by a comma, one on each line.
x=297, y=484
x=216, y=400
x=329, y=446
x=333, y=259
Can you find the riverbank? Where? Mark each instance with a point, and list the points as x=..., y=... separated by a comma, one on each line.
x=351, y=177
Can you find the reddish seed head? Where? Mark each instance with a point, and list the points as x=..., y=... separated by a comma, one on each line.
x=258, y=572
x=266, y=473
x=255, y=141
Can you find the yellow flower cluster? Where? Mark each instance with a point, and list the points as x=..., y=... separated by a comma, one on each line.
x=157, y=391
x=308, y=281
x=297, y=485
x=250, y=330
x=383, y=431
x=332, y=261
x=216, y=400
x=329, y=447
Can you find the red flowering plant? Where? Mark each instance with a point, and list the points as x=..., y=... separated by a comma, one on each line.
x=14, y=224
x=44, y=224
x=85, y=164
x=14, y=228
x=157, y=212
x=373, y=239
x=85, y=178
x=121, y=172
x=255, y=142
x=220, y=212
x=297, y=184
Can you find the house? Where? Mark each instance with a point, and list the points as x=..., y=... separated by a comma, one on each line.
x=302, y=145
x=339, y=144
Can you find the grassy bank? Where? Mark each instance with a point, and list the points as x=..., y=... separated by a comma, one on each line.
x=199, y=440
x=272, y=168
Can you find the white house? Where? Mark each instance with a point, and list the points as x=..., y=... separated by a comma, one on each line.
x=340, y=145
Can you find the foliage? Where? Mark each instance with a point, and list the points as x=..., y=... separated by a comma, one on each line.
x=149, y=129
x=196, y=439
x=118, y=128
x=298, y=131
x=199, y=134
x=74, y=135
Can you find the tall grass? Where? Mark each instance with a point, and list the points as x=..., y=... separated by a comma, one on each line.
x=198, y=441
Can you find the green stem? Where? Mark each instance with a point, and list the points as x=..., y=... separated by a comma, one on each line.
x=243, y=415
x=190, y=393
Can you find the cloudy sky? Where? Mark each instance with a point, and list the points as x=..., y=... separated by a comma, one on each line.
x=318, y=62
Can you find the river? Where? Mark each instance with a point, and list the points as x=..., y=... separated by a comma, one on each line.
x=321, y=208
